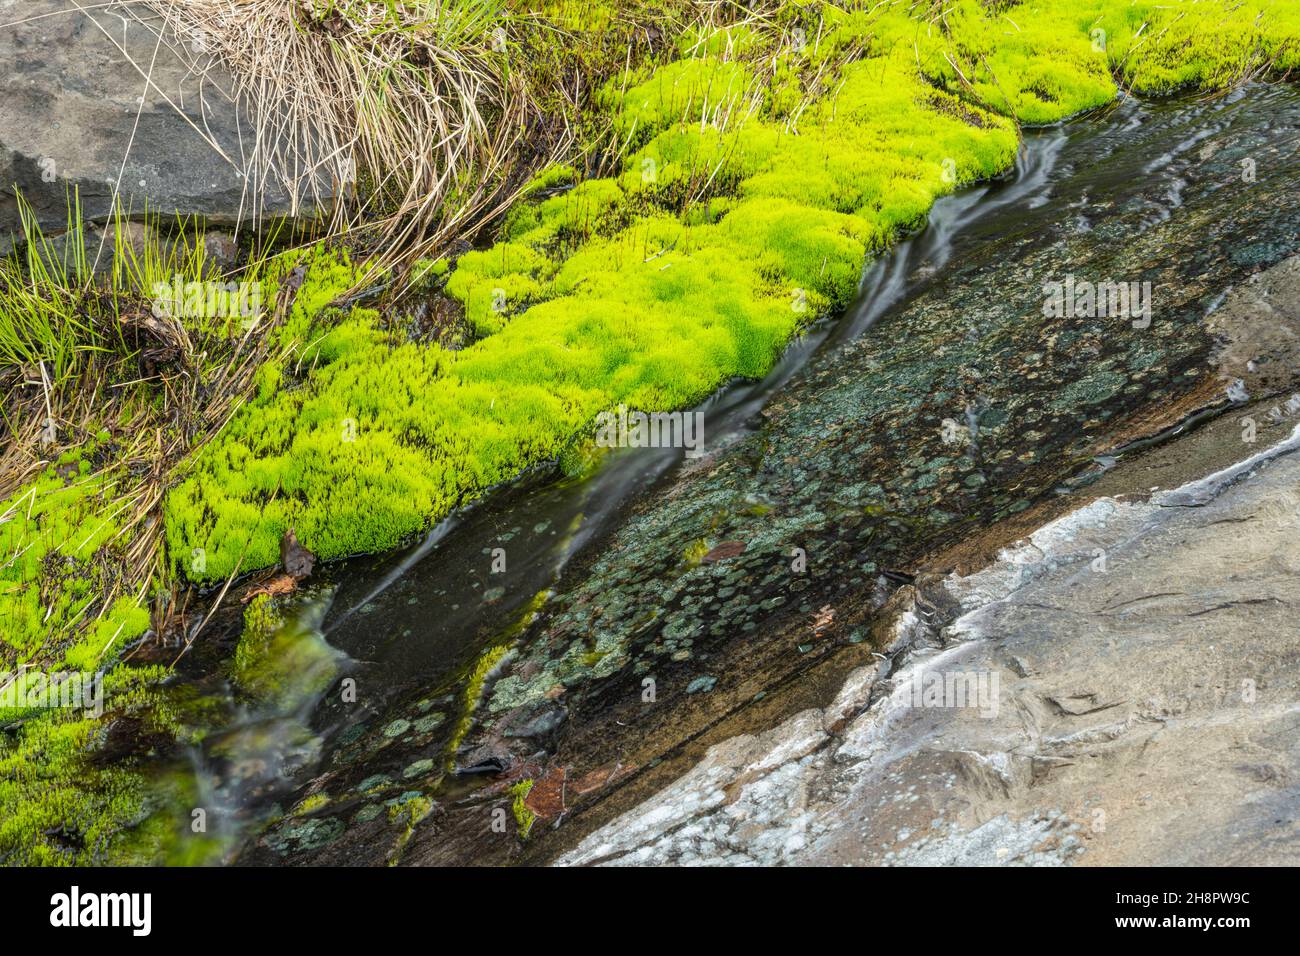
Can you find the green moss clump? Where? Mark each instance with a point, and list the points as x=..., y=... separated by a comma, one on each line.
x=60, y=562
x=695, y=552
x=309, y=805
x=524, y=818
x=1043, y=61
x=554, y=176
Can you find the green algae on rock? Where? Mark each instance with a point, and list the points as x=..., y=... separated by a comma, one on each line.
x=524, y=817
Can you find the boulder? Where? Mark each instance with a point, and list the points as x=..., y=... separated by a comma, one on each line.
x=78, y=114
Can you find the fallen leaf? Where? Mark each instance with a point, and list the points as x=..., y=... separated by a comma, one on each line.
x=724, y=550
x=296, y=560
x=546, y=797
x=280, y=584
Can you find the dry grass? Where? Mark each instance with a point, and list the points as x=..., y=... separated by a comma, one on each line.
x=415, y=122
x=411, y=122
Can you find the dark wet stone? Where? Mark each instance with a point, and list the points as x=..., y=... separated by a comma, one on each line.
x=481, y=760
x=543, y=723
x=296, y=560
x=74, y=117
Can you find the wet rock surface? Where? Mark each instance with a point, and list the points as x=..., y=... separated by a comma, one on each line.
x=758, y=578
x=77, y=115
x=1139, y=705
x=852, y=467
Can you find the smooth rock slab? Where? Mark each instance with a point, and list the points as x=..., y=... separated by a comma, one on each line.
x=1145, y=714
x=77, y=114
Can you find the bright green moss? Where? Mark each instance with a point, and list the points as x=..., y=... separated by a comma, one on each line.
x=757, y=179
x=71, y=600
x=554, y=176
x=757, y=176
x=310, y=804
x=124, y=621
x=524, y=818
x=695, y=552
x=58, y=560
x=1043, y=61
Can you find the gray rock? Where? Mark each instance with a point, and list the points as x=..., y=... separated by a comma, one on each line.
x=1156, y=725
x=76, y=114
x=540, y=722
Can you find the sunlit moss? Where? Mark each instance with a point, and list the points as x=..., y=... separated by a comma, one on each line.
x=695, y=552
x=310, y=804
x=58, y=563
x=1043, y=61
x=757, y=175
